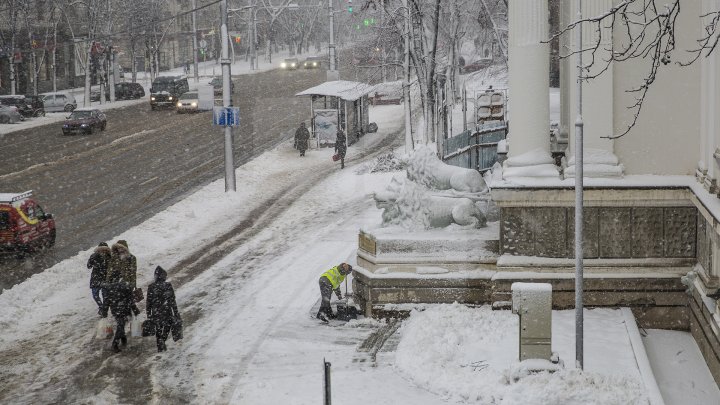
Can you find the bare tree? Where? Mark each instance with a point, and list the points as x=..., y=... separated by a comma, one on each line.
x=648, y=30
x=10, y=18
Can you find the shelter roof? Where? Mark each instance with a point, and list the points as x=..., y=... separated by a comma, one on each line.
x=343, y=89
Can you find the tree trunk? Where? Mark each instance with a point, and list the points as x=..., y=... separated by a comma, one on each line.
x=86, y=101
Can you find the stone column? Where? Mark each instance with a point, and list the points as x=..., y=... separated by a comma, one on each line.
x=529, y=71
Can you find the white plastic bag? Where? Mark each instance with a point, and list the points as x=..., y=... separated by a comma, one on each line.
x=105, y=329
x=135, y=327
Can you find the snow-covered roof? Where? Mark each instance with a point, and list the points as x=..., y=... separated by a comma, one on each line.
x=344, y=89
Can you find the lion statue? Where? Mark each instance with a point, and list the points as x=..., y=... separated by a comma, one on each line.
x=425, y=168
x=411, y=206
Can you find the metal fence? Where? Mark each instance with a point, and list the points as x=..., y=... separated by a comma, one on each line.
x=475, y=150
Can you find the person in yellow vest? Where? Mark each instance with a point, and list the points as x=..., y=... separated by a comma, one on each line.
x=330, y=281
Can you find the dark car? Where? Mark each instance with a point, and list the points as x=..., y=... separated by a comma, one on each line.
x=18, y=102
x=313, y=62
x=123, y=91
x=216, y=82
x=84, y=121
x=37, y=105
x=166, y=90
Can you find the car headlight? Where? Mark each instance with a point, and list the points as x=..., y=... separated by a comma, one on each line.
x=179, y=104
x=293, y=65
x=282, y=65
x=314, y=63
x=152, y=98
x=193, y=104
x=66, y=126
x=83, y=125
x=170, y=98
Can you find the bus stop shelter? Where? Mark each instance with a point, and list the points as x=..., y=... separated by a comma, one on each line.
x=338, y=104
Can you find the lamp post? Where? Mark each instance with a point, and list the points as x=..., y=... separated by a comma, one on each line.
x=409, y=144
x=225, y=64
x=579, y=202
x=195, y=43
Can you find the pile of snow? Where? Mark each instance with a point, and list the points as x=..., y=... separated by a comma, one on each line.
x=535, y=163
x=597, y=163
x=386, y=163
x=472, y=356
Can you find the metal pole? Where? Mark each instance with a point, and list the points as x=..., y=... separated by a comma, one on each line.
x=579, y=203
x=225, y=64
x=464, y=107
x=331, y=45
x=326, y=384
x=111, y=75
x=409, y=145
x=195, y=44
x=382, y=45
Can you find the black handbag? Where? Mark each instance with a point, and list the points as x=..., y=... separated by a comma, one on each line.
x=177, y=330
x=138, y=295
x=148, y=327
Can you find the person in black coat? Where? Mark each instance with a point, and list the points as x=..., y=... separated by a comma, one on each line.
x=121, y=303
x=98, y=263
x=162, y=308
x=341, y=146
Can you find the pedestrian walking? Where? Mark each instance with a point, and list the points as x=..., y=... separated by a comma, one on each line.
x=341, y=146
x=162, y=309
x=98, y=263
x=330, y=282
x=302, y=135
x=120, y=284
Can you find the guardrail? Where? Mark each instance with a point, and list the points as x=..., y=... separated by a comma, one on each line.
x=475, y=150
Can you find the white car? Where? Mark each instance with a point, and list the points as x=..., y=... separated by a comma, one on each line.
x=188, y=102
x=59, y=102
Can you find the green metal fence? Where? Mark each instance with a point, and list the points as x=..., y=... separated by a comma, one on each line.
x=475, y=150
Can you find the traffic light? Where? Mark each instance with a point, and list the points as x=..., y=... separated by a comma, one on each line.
x=237, y=39
x=350, y=7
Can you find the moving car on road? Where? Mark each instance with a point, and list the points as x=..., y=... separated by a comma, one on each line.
x=313, y=62
x=166, y=90
x=9, y=115
x=84, y=120
x=188, y=102
x=123, y=91
x=290, y=64
x=24, y=225
x=59, y=102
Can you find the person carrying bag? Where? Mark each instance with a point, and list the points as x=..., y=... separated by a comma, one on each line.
x=162, y=309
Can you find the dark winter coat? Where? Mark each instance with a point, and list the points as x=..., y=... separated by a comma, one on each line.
x=99, y=262
x=161, y=305
x=123, y=266
x=341, y=144
x=301, y=138
x=120, y=299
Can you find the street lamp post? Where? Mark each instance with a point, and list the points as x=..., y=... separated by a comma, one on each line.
x=195, y=43
x=579, y=203
x=225, y=64
x=409, y=144
x=331, y=46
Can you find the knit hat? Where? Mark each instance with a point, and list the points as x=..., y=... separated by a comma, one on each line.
x=103, y=244
x=122, y=242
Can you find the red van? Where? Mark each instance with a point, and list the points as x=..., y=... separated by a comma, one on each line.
x=24, y=225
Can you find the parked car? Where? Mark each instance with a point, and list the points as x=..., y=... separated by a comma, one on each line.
x=36, y=104
x=24, y=225
x=18, y=102
x=85, y=120
x=188, y=102
x=166, y=90
x=9, y=115
x=59, y=102
x=313, y=62
x=290, y=64
x=475, y=66
x=216, y=82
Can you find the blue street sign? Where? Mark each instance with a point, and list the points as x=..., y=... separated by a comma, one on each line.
x=226, y=116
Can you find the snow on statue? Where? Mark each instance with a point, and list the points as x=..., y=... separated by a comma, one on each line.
x=425, y=168
x=433, y=195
